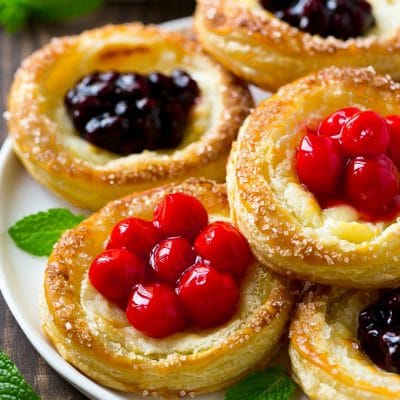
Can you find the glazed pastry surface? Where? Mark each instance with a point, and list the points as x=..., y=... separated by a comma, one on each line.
x=54, y=153
x=268, y=52
x=95, y=336
x=282, y=220
x=324, y=351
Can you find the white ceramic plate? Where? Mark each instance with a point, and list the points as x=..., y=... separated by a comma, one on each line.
x=21, y=274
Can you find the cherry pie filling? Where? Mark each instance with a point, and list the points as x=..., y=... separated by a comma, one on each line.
x=127, y=113
x=353, y=158
x=342, y=19
x=175, y=271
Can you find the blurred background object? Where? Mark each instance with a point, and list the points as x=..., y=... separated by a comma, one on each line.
x=14, y=47
x=14, y=14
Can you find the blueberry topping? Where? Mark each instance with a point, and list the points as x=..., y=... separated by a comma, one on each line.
x=342, y=19
x=379, y=331
x=127, y=113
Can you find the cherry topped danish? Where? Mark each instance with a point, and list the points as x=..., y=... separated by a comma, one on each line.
x=313, y=180
x=158, y=293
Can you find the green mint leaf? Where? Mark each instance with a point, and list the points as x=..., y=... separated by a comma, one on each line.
x=272, y=384
x=13, y=14
x=12, y=384
x=55, y=10
x=37, y=233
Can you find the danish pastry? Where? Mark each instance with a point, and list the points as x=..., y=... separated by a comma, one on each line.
x=94, y=334
x=327, y=358
x=140, y=140
x=253, y=39
x=316, y=204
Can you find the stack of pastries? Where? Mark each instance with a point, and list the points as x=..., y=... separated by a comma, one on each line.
x=179, y=284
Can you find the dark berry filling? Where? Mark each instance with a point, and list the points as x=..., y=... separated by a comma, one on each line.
x=175, y=270
x=342, y=19
x=379, y=331
x=352, y=158
x=127, y=113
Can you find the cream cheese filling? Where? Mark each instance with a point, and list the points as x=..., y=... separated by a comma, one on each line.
x=109, y=323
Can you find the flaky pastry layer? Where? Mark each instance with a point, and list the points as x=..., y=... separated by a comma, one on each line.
x=326, y=358
x=282, y=220
x=268, y=52
x=53, y=152
x=95, y=336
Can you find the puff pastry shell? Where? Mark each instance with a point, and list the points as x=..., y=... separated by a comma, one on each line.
x=282, y=220
x=268, y=52
x=51, y=150
x=95, y=336
x=324, y=351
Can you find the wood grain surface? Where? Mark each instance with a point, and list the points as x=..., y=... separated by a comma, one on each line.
x=13, y=48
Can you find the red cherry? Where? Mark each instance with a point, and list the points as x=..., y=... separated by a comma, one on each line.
x=332, y=125
x=394, y=132
x=114, y=272
x=371, y=184
x=319, y=164
x=365, y=134
x=225, y=248
x=171, y=257
x=155, y=310
x=210, y=297
x=136, y=235
x=180, y=215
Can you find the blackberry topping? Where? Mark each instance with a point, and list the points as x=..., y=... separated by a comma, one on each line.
x=127, y=113
x=379, y=331
x=342, y=19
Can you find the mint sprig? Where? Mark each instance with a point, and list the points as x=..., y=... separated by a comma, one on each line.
x=37, y=233
x=12, y=384
x=272, y=384
x=15, y=13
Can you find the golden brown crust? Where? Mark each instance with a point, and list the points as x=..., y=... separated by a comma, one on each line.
x=266, y=51
x=326, y=358
x=283, y=222
x=48, y=146
x=95, y=336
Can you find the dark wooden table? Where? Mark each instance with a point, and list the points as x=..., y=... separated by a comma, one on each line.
x=13, y=48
